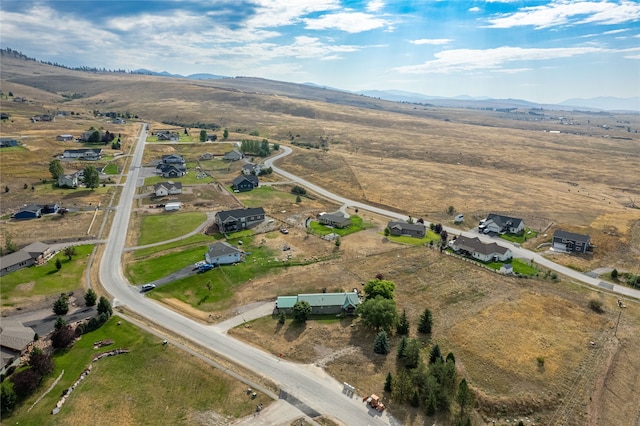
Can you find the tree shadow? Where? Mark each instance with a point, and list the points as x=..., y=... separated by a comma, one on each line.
x=294, y=330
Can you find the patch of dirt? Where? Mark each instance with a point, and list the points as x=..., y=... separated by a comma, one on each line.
x=208, y=418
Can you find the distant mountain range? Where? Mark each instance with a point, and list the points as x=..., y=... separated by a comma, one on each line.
x=463, y=101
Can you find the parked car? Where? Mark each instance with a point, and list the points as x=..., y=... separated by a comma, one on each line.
x=284, y=230
x=200, y=263
x=206, y=267
x=147, y=287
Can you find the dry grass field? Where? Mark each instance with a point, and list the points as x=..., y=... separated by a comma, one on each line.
x=419, y=160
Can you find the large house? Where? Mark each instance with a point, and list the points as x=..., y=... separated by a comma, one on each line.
x=14, y=339
x=499, y=224
x=415, y=230
x=321, y=303
x=83, y=153
x=233, y=155
x=172, y=159
x=68, y=181
x=570, y=242
x=34, y=211
x=478, y=250
x=34, y=254
x=7, y=142
x=239, y=219
x=337, y=220
x=162, y=189
x=171, y=136
x=171, y=170
x=223, y=253
x=245, y=183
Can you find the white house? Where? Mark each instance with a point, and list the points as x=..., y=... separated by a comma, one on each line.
x=223, y=253
x=68, y=181
x=251, y=169
x=162, y=189
x=501, y=224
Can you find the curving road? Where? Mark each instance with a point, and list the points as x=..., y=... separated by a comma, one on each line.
x=309, y=388
x=517, y=251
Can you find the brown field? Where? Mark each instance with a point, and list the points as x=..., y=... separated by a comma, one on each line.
x=415, y=159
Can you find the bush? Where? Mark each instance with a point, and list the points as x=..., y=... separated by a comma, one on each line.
x=8, y=399
x=301, y=311
x=40, y=362
x=25, y=382
x=63, y=338
x=596, y=306
x=298, y=190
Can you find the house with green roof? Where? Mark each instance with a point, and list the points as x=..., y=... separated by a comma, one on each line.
x=321, y=303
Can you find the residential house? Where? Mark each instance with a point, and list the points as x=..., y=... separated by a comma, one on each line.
x=475, y=248
x=233, y=155
x=64, y=138
x=86, y=136
x=207, y=156
x=118, y=121
x=239, y=219
x=251, y=169
x=415, y=230
x=7, y=142
x=91, y=154
x=172, y=159
x=15, y=338
x=32, y=211
x=172, y=137
x=499, y=224
x=42, y=117
x=68, y=181
x=245, y=183
x=34, y=254
x=162, y=189
x=337, y=220
x=570, y=242
x=223, y=253
x=171, y=170
x=321, y=303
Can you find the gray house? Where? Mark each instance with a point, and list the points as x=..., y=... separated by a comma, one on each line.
x=570, y=242
x=415, y=230
x=337, y=220
x=321, y=303
x=476, y=249
x=233, y=155
x=500, y=224
x=34, y=254
x=83, y=153
x=245, y=183
x=239, y=219
x=14, y=339
x=223, y=253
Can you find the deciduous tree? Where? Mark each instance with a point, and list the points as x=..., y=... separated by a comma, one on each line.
x=301, y=311
x=55, y=168
x=91, y=177
x=378, y=313
x=376, y=287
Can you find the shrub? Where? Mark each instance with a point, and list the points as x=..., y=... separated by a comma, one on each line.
x=298, y=190
x=540, y=360
x=301, y=311
x=25, y=382
x=63, y=338
x=40, y=362
x=596, y=306
x=8, y=399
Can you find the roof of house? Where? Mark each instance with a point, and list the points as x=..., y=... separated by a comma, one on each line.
x=249, y=166
x=249, y=178
x=172, y=157
x=474, y=245
x=335, y=217
x=31, y=208
x=14, y=258
x=238, y=213
x=14, y=335
x=96, y=151
x=566, y=235
x=222, y=248
x=36, y=249
x=233, y=151
x=343, y=300
x=504, y=221
x=407, y=226
x=168, y=185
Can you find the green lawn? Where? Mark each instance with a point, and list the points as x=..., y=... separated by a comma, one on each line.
x=110, y=169
x=46, y=279
x=212, y=290
x=259, y=196
x=526, y=235
x=162, y=227
x=147, y=270
x=405, y=239
x=198, y=239
x=357, y=224
x=523, y=268
x=152, y=384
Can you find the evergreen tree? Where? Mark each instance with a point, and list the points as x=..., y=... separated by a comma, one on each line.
x=426, y=322
x=415, y=399
x=203, y=135
x=464, y=397
x=388, y=383
x=8, y=398
x=434, y=355
x=225, y=134
x=61, y=305
x=402, y=347
x=90, y=297
x=104, y=307
x=412, y=354
x=60, y=322
x=58, y=263
x=381, y=343
x=402, y=328
x=282, y=318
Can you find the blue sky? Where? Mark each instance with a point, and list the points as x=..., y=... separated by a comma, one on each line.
x=543, y=51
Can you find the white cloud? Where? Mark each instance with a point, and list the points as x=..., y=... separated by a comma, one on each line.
x=468, y=59
x=276, y=13
x=433, y=41
x=474, y=9
x=563, y=12
x=375, y=5
x=351, y=22
x=622, y=30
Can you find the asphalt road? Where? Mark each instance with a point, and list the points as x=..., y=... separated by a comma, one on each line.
x=309, y=388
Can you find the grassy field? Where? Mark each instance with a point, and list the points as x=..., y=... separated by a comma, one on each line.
x=189, y=179
x=151, y=269
x=199, y=239
x=156, y=228
x=428, y=238
x=357, y=224
x=520, y=239
x=152, y=384
x=21, y=286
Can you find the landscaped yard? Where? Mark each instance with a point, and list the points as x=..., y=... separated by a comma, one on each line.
x=153, y=384
x=199, y=239
x=46, y=279
x=405, y=239
x=357, y=224
x=162, y=227
x=147, y=270
x=262, y=195
x=514, y=238
x=189, y=179
x=110, y=169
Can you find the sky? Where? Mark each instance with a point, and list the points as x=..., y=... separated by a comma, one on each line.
x=542, y=51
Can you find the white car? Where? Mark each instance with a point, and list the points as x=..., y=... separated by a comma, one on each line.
x=200, y=263
x=147, y=287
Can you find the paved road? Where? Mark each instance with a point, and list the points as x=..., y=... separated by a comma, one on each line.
x=309, y=388
x=517, y=251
